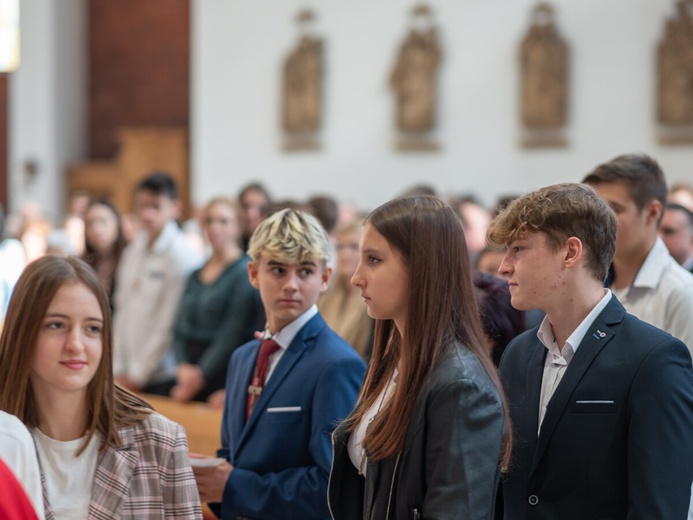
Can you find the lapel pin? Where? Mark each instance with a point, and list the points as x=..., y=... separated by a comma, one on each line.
x=601, y=334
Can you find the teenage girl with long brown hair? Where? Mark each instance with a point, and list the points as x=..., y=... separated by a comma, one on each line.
x=430, y=432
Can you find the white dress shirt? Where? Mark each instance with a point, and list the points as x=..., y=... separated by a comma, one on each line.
x=662, y=294
x=285, y=336
x=557, y=360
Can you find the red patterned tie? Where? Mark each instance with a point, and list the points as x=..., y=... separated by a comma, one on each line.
x=268, y=347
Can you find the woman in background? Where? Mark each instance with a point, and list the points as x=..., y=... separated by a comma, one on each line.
x=219, y=309
x=104, y=240
x=56, y=376
x=430, y=433
x=341, y=305
x=501, y=321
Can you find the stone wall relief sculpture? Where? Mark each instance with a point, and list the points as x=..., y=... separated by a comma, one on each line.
x=544, y=82
x=414, y=81
x=675, y=77
x=302, y=89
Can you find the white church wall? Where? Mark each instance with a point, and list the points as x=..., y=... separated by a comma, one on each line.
x=238, y=47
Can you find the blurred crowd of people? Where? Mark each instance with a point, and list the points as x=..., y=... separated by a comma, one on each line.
x=213, y=285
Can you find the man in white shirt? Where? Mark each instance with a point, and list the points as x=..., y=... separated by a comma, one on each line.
x=150, y=279
x=646, y=279
x=601, y=403
x=676, y=230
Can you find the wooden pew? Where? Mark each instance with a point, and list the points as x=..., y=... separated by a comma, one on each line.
x=141, y=150
x=202, y=423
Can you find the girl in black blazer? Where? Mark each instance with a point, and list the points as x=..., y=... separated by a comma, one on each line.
x=430, y=432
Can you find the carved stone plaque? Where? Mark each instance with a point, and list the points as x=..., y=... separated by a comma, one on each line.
x=675, y=77
x=302, y=90
x=414, y=81
x=544, y=82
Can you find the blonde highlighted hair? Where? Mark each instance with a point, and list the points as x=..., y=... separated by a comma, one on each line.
x=290, y=236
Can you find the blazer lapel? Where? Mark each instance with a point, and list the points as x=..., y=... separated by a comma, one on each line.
x=112, y=480
x=598, y=336
x=372, y=476
x=114, y=469
x=287, y=362
x=237, y=406
x=535, y=372
x=283, y=368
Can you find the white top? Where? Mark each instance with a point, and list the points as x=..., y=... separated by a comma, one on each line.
x=68, y=478
x=18, y=452
x=148, y=288
x=557, y=361
x=357, y=454
x=662, y=294
x=285, y=336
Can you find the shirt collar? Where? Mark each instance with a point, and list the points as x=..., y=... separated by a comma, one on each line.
x=162, y=242
x=285, y=336
x=688, y=264
x=548, y=339
x=652, y=268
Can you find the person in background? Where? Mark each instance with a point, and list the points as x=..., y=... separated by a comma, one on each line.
x=676, y=231
x=341, y=305
x=326, y=210
x=74, y=222
x=644, y=277
x=489, y=260
x=150, y=279
x=682, y=193
x=601, y=402
x=56, y=377
x=501, y=322
x=12, y=262
x=286, y=393
x=475, y=220
x=219, y=309
x=104, y=241
x=430, y=433
x=20, y=477
x=255, y=202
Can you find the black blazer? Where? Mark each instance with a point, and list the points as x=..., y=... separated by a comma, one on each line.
x=448, y=469
x=617, y=437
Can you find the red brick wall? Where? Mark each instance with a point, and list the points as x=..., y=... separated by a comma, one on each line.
x=139, y=67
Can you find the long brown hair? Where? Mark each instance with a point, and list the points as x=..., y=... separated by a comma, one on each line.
x=441, y=310
x=108, y=406
x=90, y=254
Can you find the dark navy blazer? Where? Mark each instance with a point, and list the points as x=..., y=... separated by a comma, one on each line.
x=282, y=455
x=617, y=438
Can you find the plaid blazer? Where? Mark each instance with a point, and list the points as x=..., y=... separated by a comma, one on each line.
x=148, y=476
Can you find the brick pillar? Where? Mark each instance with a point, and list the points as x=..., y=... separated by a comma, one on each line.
x=139, y=67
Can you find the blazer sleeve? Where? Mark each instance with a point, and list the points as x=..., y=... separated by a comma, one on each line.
x=181, y=498
x=660, y=445
x=299, y=493
x=464, y=433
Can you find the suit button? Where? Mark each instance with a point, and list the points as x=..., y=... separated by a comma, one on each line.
x=533, y=500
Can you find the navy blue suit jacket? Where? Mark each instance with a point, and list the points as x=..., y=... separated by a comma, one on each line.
x=282, y=455
x=617, y=438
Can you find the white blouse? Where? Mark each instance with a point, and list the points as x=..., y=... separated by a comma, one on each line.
x=356, y=452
